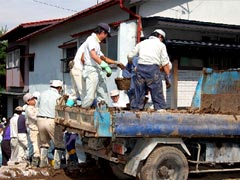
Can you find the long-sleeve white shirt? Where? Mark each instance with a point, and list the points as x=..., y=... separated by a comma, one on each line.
x=150, y=51
x=77, y=59
x=14, y=126
x=31, y=113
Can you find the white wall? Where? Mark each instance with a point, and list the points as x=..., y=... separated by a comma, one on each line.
x=187, y=82
x=216, y=11
x=48, y=55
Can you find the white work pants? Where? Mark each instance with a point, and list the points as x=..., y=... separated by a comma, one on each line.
x=95, y=86
x=35, y=140
x=23, y=144
x=77, y=83
x=14, y=151
x=80, y=154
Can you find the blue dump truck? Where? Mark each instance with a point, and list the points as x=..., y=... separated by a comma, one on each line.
x=151, y=146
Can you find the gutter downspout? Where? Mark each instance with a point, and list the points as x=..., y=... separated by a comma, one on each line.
x=139, y=27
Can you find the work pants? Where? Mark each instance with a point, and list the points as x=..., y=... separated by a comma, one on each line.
x=23, y=144
x=95, y=86
x=6, y=151
x=149, y=78
x=77, y=83
x=131, y=93
x=49, y=130
x=35, y=140
x=14, y=151
x=73, y=140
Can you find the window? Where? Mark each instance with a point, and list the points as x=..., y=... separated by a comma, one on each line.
x=31, y=63
x=69, y=54
x=112, y=47
x=190, y=63
x=13, y=59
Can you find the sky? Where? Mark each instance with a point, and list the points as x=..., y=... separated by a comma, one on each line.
x=16, y=12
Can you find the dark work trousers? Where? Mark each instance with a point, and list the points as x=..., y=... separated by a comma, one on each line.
x=70, y=139
x=131, y=92
x=149, y=78
x=6, y=151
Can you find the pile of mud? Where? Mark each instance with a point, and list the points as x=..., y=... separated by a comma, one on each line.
x=220, y=103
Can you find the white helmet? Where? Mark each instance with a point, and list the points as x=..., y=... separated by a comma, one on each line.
x=160, y=31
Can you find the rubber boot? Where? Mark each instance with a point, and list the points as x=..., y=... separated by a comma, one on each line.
x=59, y=156
x=35, y=161
x=43, y=157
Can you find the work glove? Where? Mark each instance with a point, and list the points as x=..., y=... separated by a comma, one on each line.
x=106, y=68
x=168, y=81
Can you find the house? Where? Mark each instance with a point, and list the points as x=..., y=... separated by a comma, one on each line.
x=199, y=34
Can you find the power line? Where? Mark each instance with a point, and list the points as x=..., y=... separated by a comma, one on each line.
x=53, y=5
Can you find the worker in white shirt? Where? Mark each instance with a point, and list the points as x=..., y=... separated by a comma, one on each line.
x=31, y=118
x=76, y=67
x=48, y=130
x=96, y=65
x=14, y=136
x=152, y=55
x=116, y=100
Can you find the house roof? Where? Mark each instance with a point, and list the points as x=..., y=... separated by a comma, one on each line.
x=27, y=28
x=189, y=24
x=202, y=44
x=98, y=7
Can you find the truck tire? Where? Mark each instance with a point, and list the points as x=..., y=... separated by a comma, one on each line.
x=165, y=163
x=117, y=170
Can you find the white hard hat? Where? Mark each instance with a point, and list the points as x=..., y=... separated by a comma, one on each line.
x=160, y=31
x=114, y=92
x=56, y=83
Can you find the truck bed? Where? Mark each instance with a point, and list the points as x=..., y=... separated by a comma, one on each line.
x=106, y=122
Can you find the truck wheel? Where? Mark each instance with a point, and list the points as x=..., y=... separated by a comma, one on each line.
x=117, y=170
x=165, y=163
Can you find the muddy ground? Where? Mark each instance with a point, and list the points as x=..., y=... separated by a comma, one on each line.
x=97, y=173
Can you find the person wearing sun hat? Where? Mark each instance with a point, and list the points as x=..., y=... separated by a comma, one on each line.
x=31, y=113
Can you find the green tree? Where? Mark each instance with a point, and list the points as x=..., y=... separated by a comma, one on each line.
x=3, y=55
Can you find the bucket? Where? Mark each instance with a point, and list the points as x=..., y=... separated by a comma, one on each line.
x=123, y=83
x=70, y=102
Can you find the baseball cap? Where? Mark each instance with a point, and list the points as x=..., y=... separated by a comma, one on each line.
x=56, y=83
x=19, y=108
x=27, y=97
x=106, y=27
x=114, y=92
x=36, y=94
x=160, y=31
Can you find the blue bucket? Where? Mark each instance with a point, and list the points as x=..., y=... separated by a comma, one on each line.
x=70, y=102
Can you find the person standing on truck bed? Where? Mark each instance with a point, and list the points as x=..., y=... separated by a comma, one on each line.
x=152, y=55
x=76, y=67
x=48, y=130
x=95, y=63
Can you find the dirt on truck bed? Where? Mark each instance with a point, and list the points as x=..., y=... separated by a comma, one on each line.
x=220, y=103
